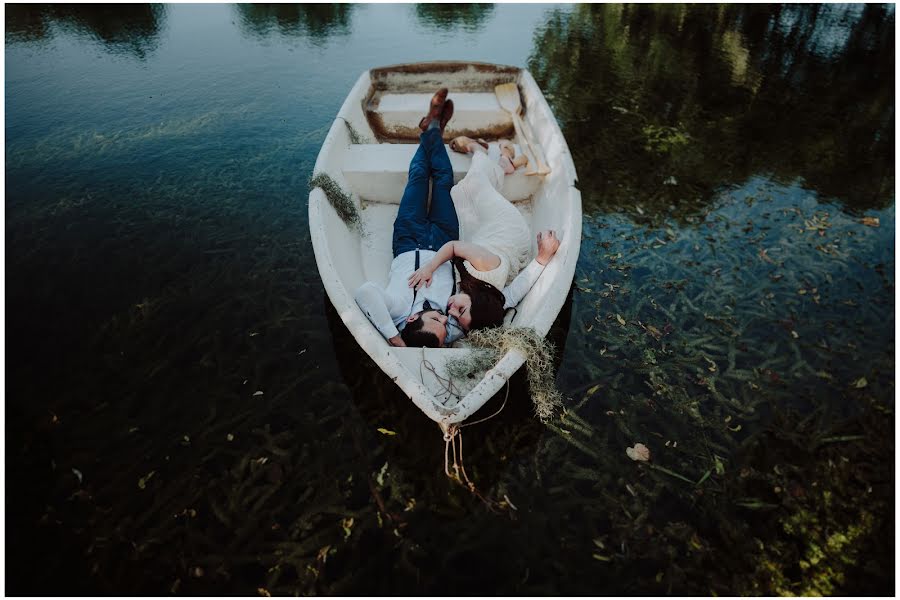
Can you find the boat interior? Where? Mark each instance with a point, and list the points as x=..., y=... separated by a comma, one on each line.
x=368, y=151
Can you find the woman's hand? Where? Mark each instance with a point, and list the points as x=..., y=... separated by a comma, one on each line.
x=548, y=244
x=422, y=276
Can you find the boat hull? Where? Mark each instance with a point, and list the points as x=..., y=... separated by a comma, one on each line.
x=383, y=108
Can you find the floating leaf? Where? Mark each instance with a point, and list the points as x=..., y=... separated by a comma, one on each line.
x=860, y=383
x=229, y=437
x=870, y=221
x=347, y=526
x=639, y=452
x=258, y=393
x=386, y=431
x=380, y=477
x=142, y=482
x=620, y=319
x=78, y=475
x=720, y=466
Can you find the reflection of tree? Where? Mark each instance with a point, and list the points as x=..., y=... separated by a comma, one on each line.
x=122, y=28
x=468, y=17
x=316, y=21
x=710, y=94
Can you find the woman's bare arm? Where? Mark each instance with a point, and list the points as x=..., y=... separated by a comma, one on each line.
x=479, y=257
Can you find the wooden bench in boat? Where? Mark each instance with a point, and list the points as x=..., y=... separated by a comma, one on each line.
x=396, y=116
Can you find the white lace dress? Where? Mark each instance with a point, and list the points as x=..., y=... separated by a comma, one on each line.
x=488, y=219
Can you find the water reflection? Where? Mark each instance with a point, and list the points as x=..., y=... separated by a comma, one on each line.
x=442, y=17
x=121, y=28
x=664, y=104
x=316, y=21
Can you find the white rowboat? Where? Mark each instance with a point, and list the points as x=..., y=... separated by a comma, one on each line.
x=384, y=108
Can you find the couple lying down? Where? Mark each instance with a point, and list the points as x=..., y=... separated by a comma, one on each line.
x=469, y=225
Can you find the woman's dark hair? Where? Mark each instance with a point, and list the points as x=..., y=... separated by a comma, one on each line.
x=414, y=337
x=487, y=301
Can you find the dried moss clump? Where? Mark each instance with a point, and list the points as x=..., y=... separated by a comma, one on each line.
x=472, y=364
x=538, y=353
x=355, y=136
x=339, y=199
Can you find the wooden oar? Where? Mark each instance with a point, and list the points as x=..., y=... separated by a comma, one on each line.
x=508, y=97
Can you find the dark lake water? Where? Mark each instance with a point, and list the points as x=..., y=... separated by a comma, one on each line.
x=733, y=310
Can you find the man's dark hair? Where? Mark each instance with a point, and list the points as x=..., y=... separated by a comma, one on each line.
x=415, y=337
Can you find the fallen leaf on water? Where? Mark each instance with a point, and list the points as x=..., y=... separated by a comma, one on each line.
x=142, y=482
x=620, y=319
x=639, y=452
x=347, y=526
x=258, y=393
x=860, y=383
x=229, y=437
x=870, y=221
x=720, y=467
x=593, y=389
x=78, y=475
x=386, y=431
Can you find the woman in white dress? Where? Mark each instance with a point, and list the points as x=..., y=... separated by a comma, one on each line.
x=494, y=239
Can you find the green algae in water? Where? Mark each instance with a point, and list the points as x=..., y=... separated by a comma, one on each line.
x=339, y=199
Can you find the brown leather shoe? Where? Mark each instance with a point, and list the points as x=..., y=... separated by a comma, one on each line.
x=436, y=108
x=446, y=114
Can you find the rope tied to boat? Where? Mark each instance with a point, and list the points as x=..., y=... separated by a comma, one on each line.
x=451, y=434
x=453, y=431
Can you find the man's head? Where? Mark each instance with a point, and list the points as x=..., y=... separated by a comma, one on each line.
x=427, y=329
